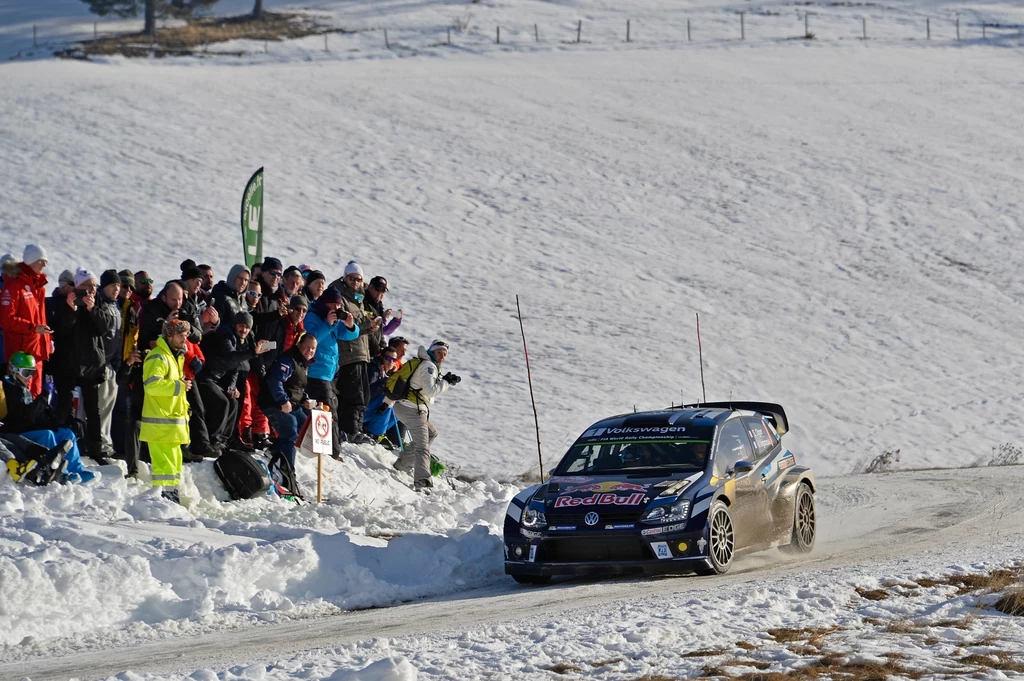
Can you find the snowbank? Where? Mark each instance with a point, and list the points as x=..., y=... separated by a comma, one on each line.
x=77, y=560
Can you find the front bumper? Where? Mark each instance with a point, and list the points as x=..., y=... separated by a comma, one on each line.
x=598, y=553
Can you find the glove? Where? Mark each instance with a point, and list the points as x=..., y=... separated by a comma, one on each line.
x=196, y=365
x=451, y=378
x=382, y=409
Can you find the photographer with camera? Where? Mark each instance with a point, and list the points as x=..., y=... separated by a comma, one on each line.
x=423, y=383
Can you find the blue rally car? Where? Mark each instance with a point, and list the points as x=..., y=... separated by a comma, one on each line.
x=680, y=490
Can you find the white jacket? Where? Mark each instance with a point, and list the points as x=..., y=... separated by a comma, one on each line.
x=426, y=382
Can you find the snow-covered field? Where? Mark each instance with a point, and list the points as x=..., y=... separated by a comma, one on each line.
x=845, y=217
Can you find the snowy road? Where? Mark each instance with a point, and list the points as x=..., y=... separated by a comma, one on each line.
x=864, y=520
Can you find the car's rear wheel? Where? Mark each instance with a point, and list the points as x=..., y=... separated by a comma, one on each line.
x=535, y=580
x=721, y=541
x=805, y=522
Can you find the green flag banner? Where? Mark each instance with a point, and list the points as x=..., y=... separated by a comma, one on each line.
x=252, y=220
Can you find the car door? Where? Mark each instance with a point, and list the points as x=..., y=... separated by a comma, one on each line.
x=747, y=492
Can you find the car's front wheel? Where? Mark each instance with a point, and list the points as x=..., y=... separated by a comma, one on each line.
x=805, y=526
x=721, y=541
x=535, y=580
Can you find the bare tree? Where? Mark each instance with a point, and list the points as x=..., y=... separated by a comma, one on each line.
x=152, y=9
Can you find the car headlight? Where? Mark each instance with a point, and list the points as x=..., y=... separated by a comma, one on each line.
x=534, y=518
x=669, y=513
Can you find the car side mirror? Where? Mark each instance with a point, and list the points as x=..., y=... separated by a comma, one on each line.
x=742, y=467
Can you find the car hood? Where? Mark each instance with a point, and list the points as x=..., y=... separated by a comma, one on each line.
x=624, y=492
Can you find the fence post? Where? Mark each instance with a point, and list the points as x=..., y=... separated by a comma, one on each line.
x=95, y=30
x=864, y=28
x=627, y=30
x=325, y=43
x=984, y=35
x=928, y=28
x=579, y=30
x=958, y=28
x=35, y=40
x=449, y=35
x=743, y=27
x=807, y=26
x=387, y=43
x=266, y=46
x=536, y=34
x=497, y=36
x=688, y=38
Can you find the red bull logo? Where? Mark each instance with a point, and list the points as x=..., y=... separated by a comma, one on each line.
x=605, y=499
x=611, y=486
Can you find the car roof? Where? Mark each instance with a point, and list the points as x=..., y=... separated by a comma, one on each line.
x=694, y=417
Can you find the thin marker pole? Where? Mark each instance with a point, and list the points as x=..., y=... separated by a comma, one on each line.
x=688, y=38
x=627, y=30
x=864, y=28
x=529, y=379
x=700, y=354
x=536, y=34
x=325, y=43
x=95, y=30
x=449, y=35
x=958, y=28
x=387, y=44
x=928, y=27
x=579, y=30
x=807, y=26
x=35, y=41
x=497, y=37
x=983, y=34
x=743, y=27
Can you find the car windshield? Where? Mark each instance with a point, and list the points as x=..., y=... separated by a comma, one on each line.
x=635, y=456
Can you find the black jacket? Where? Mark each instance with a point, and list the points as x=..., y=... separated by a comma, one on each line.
x=87, y=332
x=226, y=356
x=285, y=382
x=226, y=301
x=191, y=312
x=25, y=414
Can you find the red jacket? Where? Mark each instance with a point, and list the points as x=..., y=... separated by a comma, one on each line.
x=192, y=352
x=22, y=309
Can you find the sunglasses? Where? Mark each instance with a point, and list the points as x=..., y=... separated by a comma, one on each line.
x=254, y=294
x=143, y=281
x=389, y=358
x=274, y=273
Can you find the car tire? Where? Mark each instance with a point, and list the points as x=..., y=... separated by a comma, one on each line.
x=805, y=523
x=534, y=580
x=721, y=541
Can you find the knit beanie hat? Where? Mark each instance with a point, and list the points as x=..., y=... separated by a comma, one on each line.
x=66, y=277
x=176, y=327
x=271, y=265
x=242, y=318
x=33, y=253
x=353, y=268
x=82, y=276
x=109, y=277
x=314, y=275
x=6, y=258
x=331, y=295
x=298, y=301
x=186, y=264
x=191, y=273
x=438, y=345
x=292, y=269
x=127, y=278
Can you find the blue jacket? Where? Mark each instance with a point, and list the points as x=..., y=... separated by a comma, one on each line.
x=325, y=363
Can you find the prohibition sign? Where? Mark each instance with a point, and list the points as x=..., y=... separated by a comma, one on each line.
x=321, y=426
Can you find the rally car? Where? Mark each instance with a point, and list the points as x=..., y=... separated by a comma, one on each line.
x=685, y=489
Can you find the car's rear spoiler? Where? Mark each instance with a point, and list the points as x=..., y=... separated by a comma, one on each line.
x=773, y=412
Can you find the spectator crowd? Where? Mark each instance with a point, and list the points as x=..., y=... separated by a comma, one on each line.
x=199, y=366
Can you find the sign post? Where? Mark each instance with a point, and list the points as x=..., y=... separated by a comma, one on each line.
x=322, y=444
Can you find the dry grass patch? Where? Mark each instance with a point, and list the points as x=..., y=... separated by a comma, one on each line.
x=902, y=626
x=815, y=637
x=827, y=667
x=564, y=668
x=1011, y=601
x=704, y=653
x=198, y=33
x=1001, y=661
x=965, y=584
x=605, y=663
x=872, y=594
x=745, y=645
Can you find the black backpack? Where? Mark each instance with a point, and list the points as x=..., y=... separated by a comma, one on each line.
x=241, y=475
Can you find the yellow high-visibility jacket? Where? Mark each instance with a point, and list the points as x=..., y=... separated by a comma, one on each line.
x=165, y=409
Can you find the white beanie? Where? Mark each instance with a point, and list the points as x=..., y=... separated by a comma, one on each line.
x=6, y=258
x=33, y=253
x=353, y=268
x=84, y=275
x=439, y=345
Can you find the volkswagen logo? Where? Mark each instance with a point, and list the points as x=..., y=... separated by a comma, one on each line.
x=591, y=518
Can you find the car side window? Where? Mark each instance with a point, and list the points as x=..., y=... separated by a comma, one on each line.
x=733, y=446
x=759, y=436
